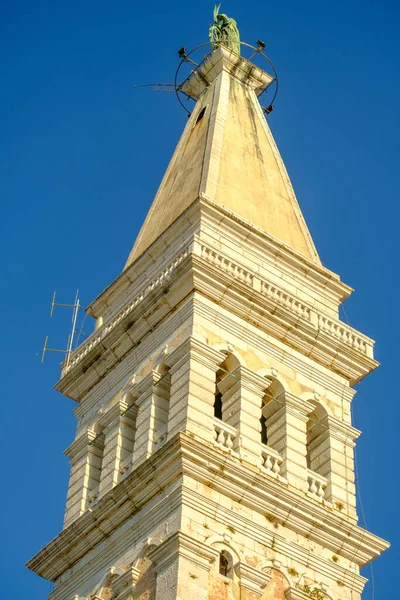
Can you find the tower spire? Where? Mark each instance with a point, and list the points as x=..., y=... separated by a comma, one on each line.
x=227, y=156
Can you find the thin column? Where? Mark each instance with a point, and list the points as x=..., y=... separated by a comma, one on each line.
x=334, y=455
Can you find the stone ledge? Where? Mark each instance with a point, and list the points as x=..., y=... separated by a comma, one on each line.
x=185, y=455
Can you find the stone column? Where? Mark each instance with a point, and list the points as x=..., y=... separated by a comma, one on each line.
x=242, y=393
x=182, y=565
x=193, y=368
x=333, y=455
x=86, y=455
x=287, y=418
x=152, y=400
x=119, y=430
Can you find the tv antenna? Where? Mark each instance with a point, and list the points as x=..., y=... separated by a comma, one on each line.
x=75, y=310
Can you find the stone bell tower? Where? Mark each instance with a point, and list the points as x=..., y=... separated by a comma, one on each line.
x=213, y=457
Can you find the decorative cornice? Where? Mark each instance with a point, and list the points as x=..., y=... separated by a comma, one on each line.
x=294, y=593
x=329, y=342
x=185, y=455
x=252, y=579
x=192, y=347
x=180, y=544
x=88, y=439
x=126, y=583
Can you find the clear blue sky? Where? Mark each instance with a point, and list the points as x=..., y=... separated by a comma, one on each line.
x=81, y=156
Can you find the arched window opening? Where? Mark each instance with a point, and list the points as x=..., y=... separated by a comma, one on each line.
x=95, y=464
x=273, y=401
x=225, y=564
x=128, y=433
x=316, y=433
x=161, y=397
x=224, y=381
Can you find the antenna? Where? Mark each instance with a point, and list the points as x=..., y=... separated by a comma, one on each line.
x=75, y=309
x=168, y=88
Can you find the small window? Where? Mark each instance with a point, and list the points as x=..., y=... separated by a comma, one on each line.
x=225, y=564
x=201, y=115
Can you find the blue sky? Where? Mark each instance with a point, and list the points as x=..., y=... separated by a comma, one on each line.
x=81, y=156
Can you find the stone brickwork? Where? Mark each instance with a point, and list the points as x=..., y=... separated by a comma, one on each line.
x=214, y=452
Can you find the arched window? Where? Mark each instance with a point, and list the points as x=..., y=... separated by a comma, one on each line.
x=128, y=433
x=161, y=397
x=225, y=564
x=224, y=381
x=95, y=464
x=316, y=433
x=271, y=431
x=272, y=403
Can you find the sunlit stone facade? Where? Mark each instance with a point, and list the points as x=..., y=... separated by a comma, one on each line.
x=214, y=453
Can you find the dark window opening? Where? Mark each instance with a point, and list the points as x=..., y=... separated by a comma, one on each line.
x=225, y=564
x=218, y=405
x=201, y=114
x=264, y=434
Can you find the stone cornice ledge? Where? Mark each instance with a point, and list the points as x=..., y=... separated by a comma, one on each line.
x=183, y=455
x=293, y=593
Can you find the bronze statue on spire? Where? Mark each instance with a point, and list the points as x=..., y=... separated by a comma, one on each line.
x=224, y=31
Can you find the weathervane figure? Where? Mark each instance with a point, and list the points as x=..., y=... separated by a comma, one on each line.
x=224, y=30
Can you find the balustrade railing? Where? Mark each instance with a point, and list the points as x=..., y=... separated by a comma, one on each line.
x=271, y=460
x=316, y=484
x=341, y=331
x=224, y=435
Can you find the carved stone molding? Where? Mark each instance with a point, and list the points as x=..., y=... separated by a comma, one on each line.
x=181, y=545
x=252, y=579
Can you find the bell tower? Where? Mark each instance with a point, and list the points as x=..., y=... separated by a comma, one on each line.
x=214, y=452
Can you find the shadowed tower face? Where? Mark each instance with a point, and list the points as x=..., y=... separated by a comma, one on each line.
x=214, y=452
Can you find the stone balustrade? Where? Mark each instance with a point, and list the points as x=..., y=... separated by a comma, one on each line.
x=347, y=335
x=286, y=300
x=271, y=460
x=316, y=484
x=226, y=265
x=223, y=435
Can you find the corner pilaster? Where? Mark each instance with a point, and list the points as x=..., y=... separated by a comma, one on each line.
x=242, y=392
x=182, y=565
x=193, y=369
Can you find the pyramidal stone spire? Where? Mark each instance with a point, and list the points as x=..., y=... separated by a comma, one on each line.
x=227, y=156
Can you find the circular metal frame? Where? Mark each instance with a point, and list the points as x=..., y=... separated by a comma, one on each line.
x=257, y=50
